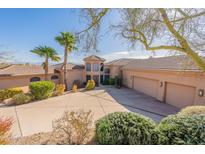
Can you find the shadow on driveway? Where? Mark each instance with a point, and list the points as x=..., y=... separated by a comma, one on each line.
x=137, y=102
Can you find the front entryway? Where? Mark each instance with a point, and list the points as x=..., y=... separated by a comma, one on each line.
x=96, y=79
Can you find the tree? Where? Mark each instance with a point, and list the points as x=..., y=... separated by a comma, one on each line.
x=47, y=53
x=180, y=30
x=68, y=41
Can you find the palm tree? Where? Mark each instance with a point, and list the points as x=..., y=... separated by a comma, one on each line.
x=68, y=41
x=48, y=53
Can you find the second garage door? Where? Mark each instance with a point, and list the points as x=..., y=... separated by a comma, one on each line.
x=179, y=95
x=147, y=86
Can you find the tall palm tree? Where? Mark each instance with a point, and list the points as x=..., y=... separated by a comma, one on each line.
x=68, y=41
x=47, y=53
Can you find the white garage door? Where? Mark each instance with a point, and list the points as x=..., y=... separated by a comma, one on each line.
x=147, y=86
x=179, y=95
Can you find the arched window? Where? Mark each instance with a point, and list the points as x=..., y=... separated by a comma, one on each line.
x=54, y=77
x=34, y=79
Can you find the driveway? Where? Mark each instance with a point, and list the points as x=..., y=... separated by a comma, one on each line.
x=38, y=116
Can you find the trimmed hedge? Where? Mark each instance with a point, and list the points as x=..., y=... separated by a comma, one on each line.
x=182, y=129
x=190, y=110
x=41, y=89
x=126, y=128
x=9, y=93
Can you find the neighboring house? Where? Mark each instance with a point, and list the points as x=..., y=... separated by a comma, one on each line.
x=22, y=75
x=174, y=80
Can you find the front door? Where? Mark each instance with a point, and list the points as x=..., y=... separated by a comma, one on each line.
x=96, y=79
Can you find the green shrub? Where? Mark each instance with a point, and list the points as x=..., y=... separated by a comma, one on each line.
x=41, y=89
x=21, y=98
x=106, y=82
x=190, y=110
x=182, y=129
x=90, y=85
x=126, y=128
x=111, y=81
x=9, y=93
x=118, y=82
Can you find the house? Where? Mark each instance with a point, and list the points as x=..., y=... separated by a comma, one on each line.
x=174, y=80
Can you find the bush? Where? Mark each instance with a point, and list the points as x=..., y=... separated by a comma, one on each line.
x=106, y=82
x=190, y=110
x=21, y=98
x=182, y=129
x=60, y=88
x=126, y=128
x=9, y=93
x=90, y=85
x=118, y=82
x=73, y=127
x=41, y=89
x=5, y=126
x=111, y=81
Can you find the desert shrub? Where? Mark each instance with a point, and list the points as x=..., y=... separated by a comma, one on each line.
x=60, y=88
x=9, y=93
x=5, y=126
x=190, y=110
x=21, y=98
x=75, y=88
x=90, y=85
x=74, y=127
x=182, y=129
x=41, y=89
x=126, y=128
x=111, y=81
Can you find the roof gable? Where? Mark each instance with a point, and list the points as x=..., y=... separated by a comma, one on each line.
x=93, y=58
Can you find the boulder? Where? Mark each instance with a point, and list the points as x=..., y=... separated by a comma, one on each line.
x=9, y=101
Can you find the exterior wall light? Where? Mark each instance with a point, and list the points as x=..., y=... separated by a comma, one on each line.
x=200, y=92
x=161, y=84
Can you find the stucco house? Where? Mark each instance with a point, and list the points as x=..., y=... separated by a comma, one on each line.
x=167, y=79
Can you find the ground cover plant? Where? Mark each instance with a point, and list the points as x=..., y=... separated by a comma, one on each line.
x=22, y=98
x=9, y=93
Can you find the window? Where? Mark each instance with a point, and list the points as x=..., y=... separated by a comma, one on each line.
x=107, y=77
x=95, y=67
x=88, y=67
x=107, y=70
x=34, y=79
x=54, y=77
x=88, y=77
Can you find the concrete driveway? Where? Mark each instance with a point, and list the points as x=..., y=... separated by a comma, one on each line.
x=38, y=116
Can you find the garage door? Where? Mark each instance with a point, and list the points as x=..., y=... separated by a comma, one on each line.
x=147, y=86
x=179, y=95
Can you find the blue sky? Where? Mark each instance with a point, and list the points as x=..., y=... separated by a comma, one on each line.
x=23, y=29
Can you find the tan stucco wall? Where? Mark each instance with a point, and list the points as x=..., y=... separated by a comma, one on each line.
x=74, y=75
x=114, y=71
x=183, y=80
x=20, y=81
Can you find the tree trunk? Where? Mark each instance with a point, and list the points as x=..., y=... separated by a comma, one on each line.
x=65, y=68
x=46, y=68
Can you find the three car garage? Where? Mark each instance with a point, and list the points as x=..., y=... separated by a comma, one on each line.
x=177, y=89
